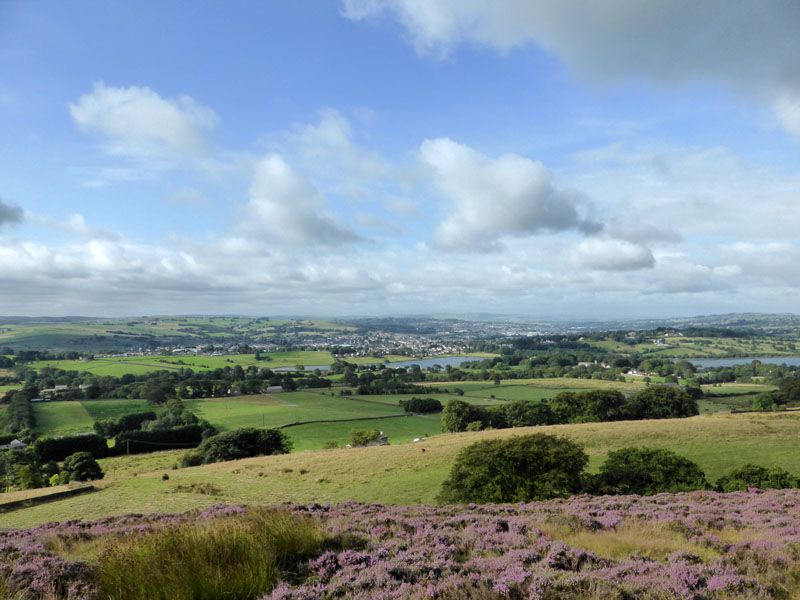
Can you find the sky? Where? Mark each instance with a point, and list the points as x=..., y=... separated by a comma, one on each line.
x=570, y=159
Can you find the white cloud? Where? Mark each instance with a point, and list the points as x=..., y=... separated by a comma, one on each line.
x=285, y=205
x=331, y=142
x=787, y=108
x=493, y=198
x=605, y=254
x=662, y=193
x=137, y=123
x=745, y=44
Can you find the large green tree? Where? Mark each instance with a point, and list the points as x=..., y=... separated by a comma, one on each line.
x=519, y=469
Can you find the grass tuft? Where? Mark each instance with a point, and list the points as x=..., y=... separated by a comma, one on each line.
x=236, y=558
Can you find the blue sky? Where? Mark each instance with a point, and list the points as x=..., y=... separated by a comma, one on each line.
x=570, y=159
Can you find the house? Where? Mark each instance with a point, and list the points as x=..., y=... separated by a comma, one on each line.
x=14, y=445
x=274, y=389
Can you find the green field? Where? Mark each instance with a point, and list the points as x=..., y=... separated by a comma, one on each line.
x=139, y=365
x=697, y=347
x=284, y=408
x=398, y=430
x=61, y=418
x=404, y=473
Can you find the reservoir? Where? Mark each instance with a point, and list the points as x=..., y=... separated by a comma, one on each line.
x=426, y=363
x=792, y=361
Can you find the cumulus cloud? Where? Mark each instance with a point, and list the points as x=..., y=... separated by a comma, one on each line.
x=286, y=205
x=10, y=213
x=331, y=141
x=137, y=123
x=665, y=41
x=606, y=254
x=492, y=198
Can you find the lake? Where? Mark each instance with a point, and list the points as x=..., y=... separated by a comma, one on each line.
x=444, y=361
x=792, y=361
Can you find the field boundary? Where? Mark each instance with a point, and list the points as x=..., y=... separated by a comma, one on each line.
x=346, y=420
x=33, y=501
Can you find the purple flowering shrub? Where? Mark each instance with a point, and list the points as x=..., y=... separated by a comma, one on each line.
x=742, y=545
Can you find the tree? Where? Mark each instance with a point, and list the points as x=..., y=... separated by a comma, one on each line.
x=755, y=476
x=243, y=443
x=520, y=469
x=457, y=414
x=647, y=471
x=82, y=466
x=662, y=402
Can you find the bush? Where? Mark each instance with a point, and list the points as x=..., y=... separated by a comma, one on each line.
x=647, y=471
x=754, y=476
x=520, y=469
x=421, y=405
x=243, y=443
x=82, y=466
x=361, y=437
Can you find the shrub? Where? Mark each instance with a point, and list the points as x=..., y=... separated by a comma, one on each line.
x=243, y=443
x=361, y=437
x=520, y=469
x=82, y=466
x=235, y=557
x=648, y=471
x=754, y=476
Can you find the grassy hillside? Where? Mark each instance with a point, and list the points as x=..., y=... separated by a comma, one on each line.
x=408, y=473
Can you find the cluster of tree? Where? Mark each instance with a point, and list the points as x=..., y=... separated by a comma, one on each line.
x=385, y=381
x=542, y=466
x=159, y=386
x=655, y=402
x=754, y=371
x=237, y=444
x=788, y=394
x=172, y=427
x=421, y=405
x=23, y=469
x=111, y=427
x=19, y=414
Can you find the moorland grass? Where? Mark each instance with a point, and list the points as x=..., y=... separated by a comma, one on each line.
x=237, y=557
x=413, y=473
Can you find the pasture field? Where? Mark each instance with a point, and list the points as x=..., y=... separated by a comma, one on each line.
x=61, y=418
x=8, y=388
x=697, y=347
x=139, y=365
x=401, y=430
x=404, y=474
x=284, y=408
x=113, y=409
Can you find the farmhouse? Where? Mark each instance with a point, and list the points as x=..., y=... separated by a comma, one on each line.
x=14, y=445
